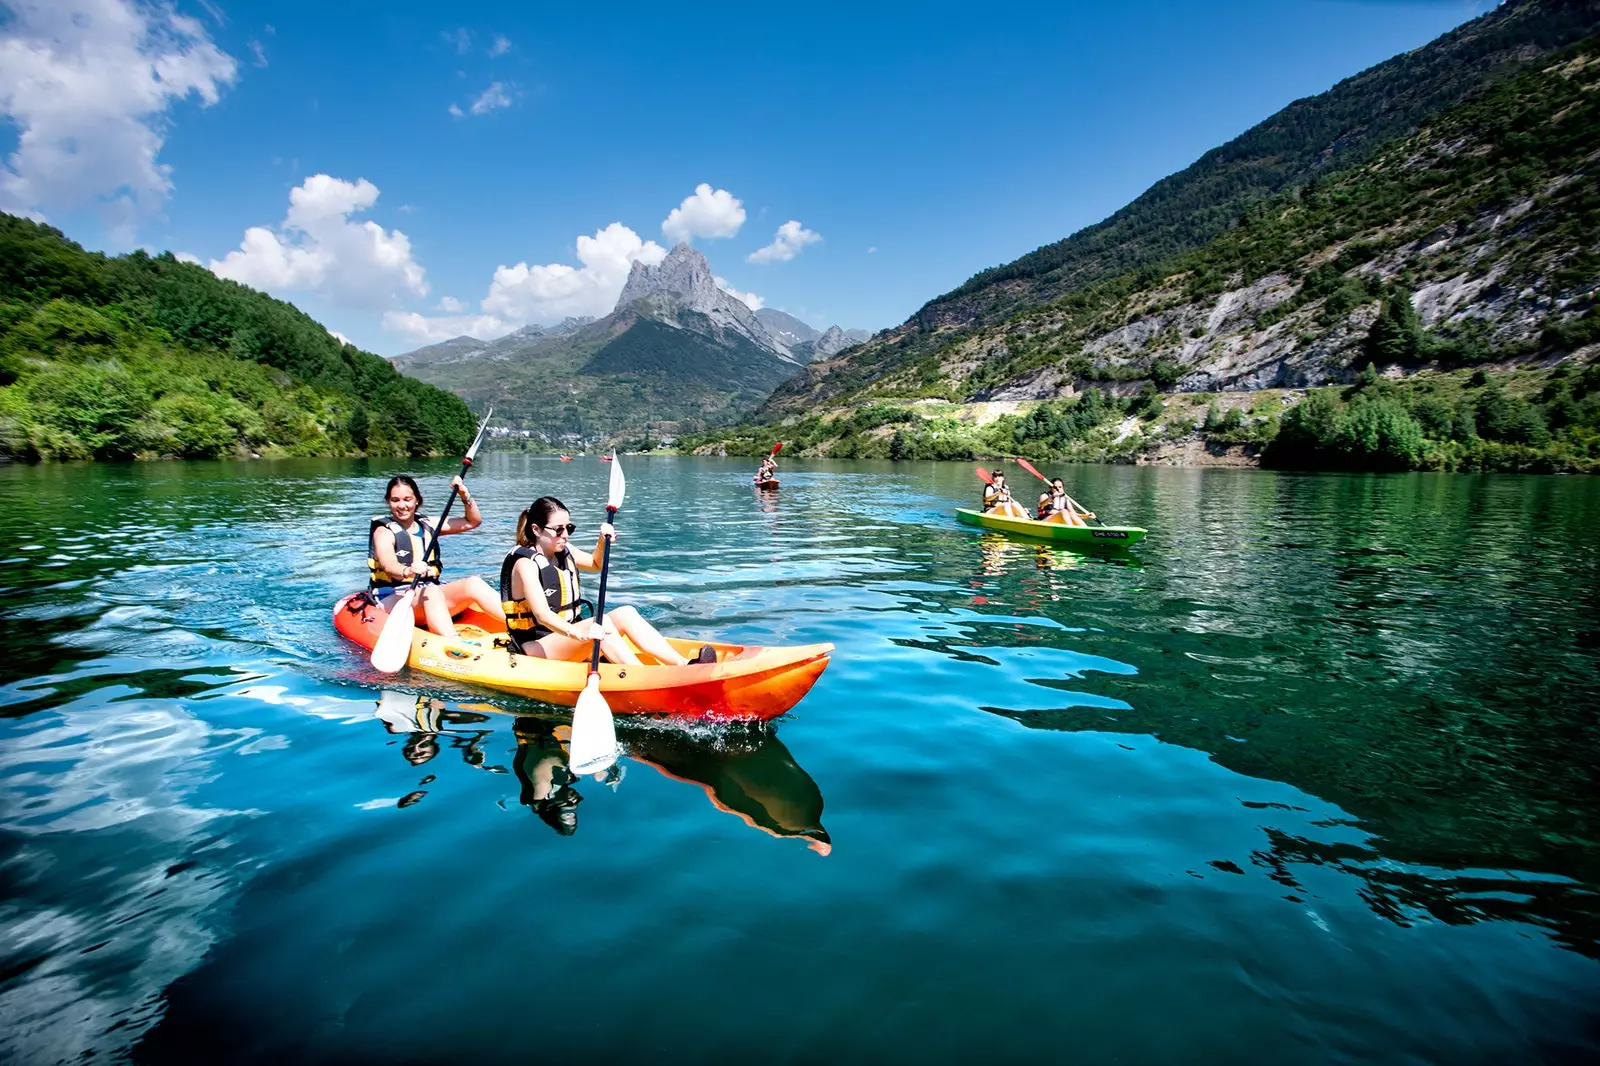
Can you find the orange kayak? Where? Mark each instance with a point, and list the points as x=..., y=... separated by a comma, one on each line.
x=746, y=682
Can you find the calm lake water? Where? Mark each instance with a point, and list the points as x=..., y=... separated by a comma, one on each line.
x=1313, y=774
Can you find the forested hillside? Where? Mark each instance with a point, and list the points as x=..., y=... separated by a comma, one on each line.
x=1309, y=137
x=1452, y=259
x=143, y=356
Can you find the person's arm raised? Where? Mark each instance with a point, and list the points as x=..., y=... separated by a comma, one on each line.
x=471, y=518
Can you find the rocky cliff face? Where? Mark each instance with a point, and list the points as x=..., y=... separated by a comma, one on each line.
x=683, y=282
x=1485, y=223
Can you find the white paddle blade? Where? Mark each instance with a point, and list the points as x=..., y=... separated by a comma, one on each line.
x=618, y=484
x=394, y=643
x=594, y=733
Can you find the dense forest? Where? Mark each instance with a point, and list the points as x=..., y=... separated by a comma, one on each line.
x=141, y=356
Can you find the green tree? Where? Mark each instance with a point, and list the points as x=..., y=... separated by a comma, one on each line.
x=1396, y=334
x=359, y=427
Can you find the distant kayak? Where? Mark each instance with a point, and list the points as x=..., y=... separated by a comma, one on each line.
x=1058, y=532
x=747, y=682
x=605, y=458
x=769, y=483
x=566, y=458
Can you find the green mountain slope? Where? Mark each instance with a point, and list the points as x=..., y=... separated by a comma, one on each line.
x=619, y=374
x=1184, y=211
x=140, y=356
x=1474, y=242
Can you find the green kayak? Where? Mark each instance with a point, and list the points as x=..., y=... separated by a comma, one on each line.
x=1059, y=532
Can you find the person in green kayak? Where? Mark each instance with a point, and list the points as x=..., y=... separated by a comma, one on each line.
x=541, y=597
x=1056, y=506
x=396, y=543
x=997, y=497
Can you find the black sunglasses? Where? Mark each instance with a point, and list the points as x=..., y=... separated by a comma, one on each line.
x=570, y=528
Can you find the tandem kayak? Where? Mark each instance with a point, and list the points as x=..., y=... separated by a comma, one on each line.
x=746, y=682
x=1058, y=532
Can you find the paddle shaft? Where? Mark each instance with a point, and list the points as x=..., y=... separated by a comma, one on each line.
x=600, y=600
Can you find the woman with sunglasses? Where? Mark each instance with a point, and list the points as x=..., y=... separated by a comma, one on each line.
x=396, y=544
x=540, y=594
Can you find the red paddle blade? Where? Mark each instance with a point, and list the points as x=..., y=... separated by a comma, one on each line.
x=984, y=476
x=776, y=446
x=1029, y=468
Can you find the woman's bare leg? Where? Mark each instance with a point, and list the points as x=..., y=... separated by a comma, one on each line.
x=473, y=591
x=649, y=640
x=435, y=611
x=565, y=649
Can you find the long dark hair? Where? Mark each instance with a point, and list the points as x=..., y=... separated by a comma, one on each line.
x=406, y=480
x=536, y=513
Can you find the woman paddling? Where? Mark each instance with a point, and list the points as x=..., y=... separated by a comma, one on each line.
x=395, y=546
x=540, y=595
x=1056, y=506
x=997, y=498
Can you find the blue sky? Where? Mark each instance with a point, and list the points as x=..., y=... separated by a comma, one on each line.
x=407, y=172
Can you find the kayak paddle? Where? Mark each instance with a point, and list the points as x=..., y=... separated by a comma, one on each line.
x=594, y=732
x=1086, y=512
x=777, y=446
x=394, y=642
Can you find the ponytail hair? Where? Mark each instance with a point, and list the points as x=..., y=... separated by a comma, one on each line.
x=536, y=514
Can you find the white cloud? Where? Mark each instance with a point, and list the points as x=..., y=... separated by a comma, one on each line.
x=500, y=47
x=705, y=214
x=452, y=305
x=491, y=99
x=319, y=248
x=554, y=291
x=542, y=293
x=425, y=329
x=258, y=52
x=340, y=337
x=461, y=40
x=873, y=250
x=790, y=238
x=88, y=84
x=187, y=257
x=749, y=299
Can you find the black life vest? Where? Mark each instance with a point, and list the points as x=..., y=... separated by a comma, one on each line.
x=558, y=581
x=993, y=495
x=405, y=551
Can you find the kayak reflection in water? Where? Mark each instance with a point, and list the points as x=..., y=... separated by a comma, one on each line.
x=751, y=776
x=422, y=721
x=541, y=597
x=541, y=767
x=403, y=550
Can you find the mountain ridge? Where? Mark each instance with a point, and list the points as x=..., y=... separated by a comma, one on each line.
x=1311, y=135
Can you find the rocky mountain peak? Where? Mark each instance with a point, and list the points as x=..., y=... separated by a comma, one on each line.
x=683, y=282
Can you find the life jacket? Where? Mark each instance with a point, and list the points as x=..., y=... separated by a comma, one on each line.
x=405, y=551
x=559, y=582
x=1046, y=508
x=993, y=495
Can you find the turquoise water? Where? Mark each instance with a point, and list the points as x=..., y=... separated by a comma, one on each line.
x=1310, y=774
